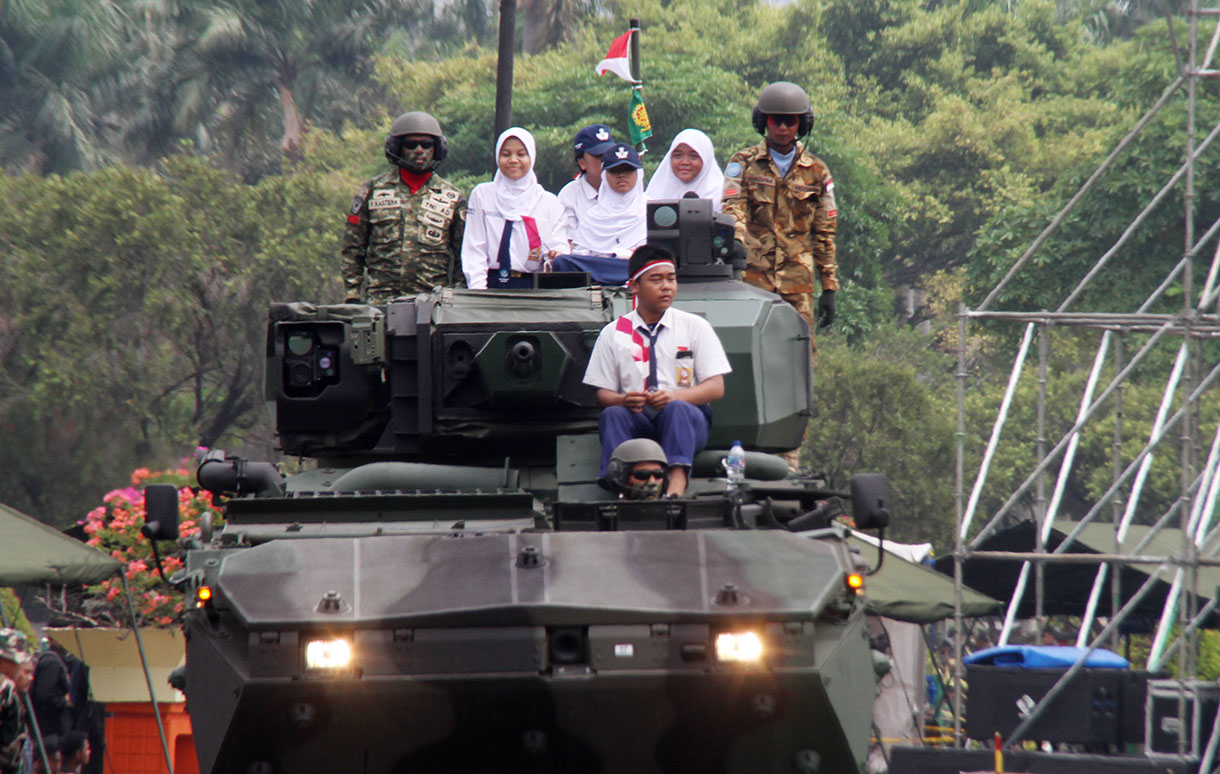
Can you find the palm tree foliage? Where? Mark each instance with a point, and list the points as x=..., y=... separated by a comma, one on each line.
x=84, y=82
x=52, y=57
x=311, y=55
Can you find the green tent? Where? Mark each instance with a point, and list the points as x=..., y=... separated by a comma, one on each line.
x=911, y=592
x=32, y=552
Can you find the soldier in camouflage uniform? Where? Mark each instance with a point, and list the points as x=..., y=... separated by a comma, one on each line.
x=404, y=229
x=14, y=654
x=782, y=197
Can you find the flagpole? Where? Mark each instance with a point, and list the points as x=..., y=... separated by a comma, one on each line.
x=634, y=26
x=504, y=65
x=635, y=51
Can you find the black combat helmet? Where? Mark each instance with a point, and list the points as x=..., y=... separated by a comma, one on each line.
x=625, y=457
x=783, y=98
x=415, y=122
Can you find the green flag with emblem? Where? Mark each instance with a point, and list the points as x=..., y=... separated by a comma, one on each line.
x=638, y=124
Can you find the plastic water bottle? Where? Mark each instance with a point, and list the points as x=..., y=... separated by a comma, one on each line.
x=735, y=465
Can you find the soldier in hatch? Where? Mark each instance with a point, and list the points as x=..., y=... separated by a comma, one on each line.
x=638, y=470
x=404, y=228
x=782, y=197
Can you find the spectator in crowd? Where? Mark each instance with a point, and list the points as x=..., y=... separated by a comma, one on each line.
x=50, y=745
x=74, y=751
x=51, y=693
x=15, y=681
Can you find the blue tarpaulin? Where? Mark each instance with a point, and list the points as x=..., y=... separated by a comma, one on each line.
x=1045, y=657
x=604, y=271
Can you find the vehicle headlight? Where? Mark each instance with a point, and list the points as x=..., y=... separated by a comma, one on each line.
x=740, y=647
x=328, y=654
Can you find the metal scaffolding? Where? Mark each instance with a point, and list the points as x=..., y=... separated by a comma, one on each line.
x=1126, y=340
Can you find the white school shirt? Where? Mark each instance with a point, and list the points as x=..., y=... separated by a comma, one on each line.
x=577, y=197
x=485, y=225
x=619, y=361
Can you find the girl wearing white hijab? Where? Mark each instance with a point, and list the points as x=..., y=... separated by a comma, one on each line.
x=690, y=165
x=617, y=224
x=513, y=224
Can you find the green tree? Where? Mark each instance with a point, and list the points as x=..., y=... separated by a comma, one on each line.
x=879, y=407
x=130, y=304
x=1096, y=224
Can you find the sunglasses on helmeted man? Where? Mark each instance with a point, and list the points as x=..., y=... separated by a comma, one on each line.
x=782, y=120
x=644, y=475
x=413, y=144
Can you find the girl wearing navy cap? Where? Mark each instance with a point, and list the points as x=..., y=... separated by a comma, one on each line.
x=617, y=224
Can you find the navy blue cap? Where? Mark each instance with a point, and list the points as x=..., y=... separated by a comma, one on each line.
x=619, y=155
x=594, y=139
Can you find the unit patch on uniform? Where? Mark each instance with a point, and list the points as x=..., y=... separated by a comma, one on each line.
x=828, y=198
x=450, y=196
x=358, y=200
x=433, y=234
x=437, y=205
x=432, y=218
x=760, y=179
x=733, y=169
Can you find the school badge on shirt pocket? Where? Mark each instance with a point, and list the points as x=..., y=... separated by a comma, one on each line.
x=685, y=377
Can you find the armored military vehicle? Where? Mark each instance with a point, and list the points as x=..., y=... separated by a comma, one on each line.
x=448, y=588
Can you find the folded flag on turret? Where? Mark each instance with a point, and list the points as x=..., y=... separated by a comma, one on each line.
x=616, y=59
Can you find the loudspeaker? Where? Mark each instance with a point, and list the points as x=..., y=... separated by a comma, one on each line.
x=1087, y=711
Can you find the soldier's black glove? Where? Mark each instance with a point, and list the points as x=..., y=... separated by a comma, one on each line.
x=826, y=308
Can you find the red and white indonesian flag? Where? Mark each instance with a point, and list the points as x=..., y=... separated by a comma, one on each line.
x=616, y=59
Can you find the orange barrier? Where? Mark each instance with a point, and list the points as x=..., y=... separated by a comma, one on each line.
x=134, y=747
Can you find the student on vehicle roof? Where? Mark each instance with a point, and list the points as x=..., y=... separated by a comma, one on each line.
x=689, y=167
x=616, y=225
x=579, y=196
x=513, y=225
x=656, y=370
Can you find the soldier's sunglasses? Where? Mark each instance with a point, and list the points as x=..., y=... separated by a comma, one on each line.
x=644, y=475
x=782, y=120
x=413, y=144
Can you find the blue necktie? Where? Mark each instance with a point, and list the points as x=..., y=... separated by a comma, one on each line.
x=504, y=258
x=652, y=335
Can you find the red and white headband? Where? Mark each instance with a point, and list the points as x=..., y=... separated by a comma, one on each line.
x=652, y=265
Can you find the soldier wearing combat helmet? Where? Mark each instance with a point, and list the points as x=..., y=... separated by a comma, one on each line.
x=638, y=470
x=782, y=197
x=404, y=228
x=14, y=681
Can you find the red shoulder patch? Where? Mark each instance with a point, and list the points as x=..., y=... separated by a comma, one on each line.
x=354, y=220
